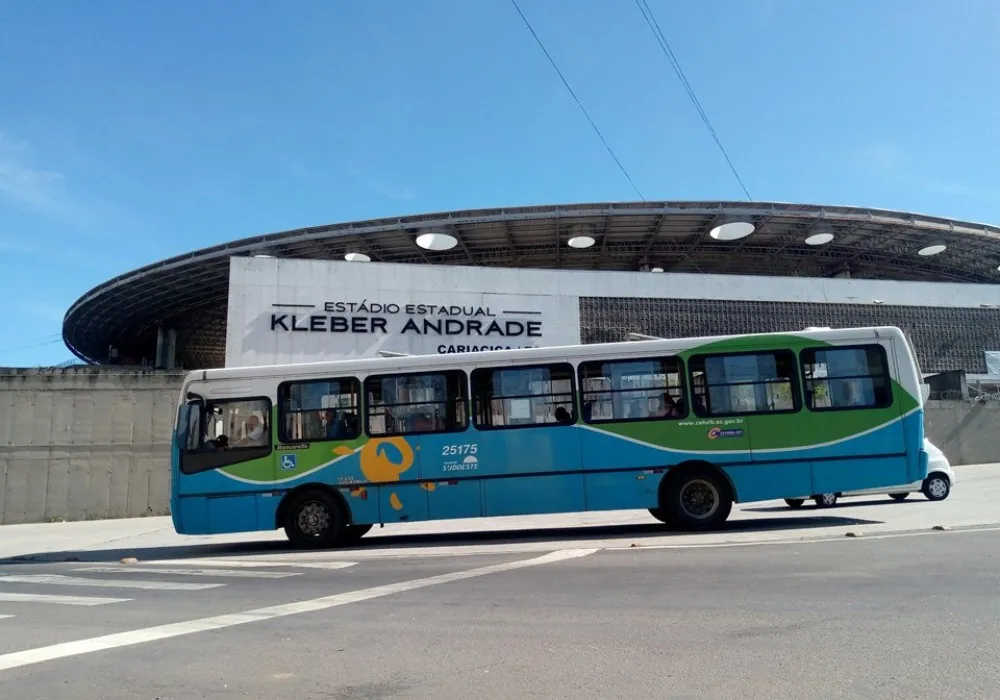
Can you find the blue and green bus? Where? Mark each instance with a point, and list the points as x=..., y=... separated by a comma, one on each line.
x=682, y=428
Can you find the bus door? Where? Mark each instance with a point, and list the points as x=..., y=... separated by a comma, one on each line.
x=852, y=416
x=528, y=459
x=226, y=465
x=450, y=465
x=746, y=401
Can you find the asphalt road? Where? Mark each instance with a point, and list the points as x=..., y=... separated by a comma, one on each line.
x=972, y=503
x=896, y=617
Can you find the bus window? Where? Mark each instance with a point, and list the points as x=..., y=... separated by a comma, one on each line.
x=744, y=383
x=227, y=432
x=626, y=390
x=517, y=397
x=838, y=378
x=407, y=404
x=319, y=410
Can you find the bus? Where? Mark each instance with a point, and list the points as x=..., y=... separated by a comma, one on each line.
x=683, y=428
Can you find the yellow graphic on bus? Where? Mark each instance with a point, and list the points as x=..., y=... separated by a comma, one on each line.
x=377, y=463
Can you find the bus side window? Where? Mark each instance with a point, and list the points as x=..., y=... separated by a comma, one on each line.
x=640, y=389
x=422, y=402
x=519, y=397
x=744, y=383
x=319, y=410
x=846, y=377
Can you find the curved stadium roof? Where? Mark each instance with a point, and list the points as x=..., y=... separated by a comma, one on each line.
x=190, y=292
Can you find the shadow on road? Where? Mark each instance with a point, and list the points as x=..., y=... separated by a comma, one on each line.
x=559, y=536
x=812, y=507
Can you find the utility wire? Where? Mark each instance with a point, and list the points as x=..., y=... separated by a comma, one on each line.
x=578, y=102
x=52, y=340
x=654, y=27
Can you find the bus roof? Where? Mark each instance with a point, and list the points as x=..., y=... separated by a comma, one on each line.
x=518, y=356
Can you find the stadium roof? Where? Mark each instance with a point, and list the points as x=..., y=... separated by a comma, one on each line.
x=190, y=292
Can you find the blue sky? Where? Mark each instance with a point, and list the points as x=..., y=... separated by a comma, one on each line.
x=131, y=132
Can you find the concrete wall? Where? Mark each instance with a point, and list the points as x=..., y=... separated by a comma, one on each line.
x=85, y=443
x=89, y=443
x=968, y=433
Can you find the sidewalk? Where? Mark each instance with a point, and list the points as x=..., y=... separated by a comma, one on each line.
x=75, y=538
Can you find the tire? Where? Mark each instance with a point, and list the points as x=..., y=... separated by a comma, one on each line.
x=697, y=499
x=898, y=496
x=795, y=502
x=825, y=500
x=314, y=520
x=660, y=514
x=354, y=533
x=937, y=487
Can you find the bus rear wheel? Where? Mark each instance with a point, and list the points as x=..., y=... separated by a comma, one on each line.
x=698, y=499
x=314, y=520
x=354, y=533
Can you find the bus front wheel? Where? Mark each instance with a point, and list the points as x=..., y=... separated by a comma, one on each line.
x=697, y=499
x=661, y=515
x=314, y=520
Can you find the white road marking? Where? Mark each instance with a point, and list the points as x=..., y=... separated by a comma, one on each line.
x=254, y=563
x=60, y=580
x=19, y=659
x=4, y=617
x=222, y=573
x=58, y=599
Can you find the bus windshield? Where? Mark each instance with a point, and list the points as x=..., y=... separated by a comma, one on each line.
x=188, y=432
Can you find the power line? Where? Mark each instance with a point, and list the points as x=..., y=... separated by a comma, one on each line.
x=654, y=27
x=578, y=102
x=29, y=346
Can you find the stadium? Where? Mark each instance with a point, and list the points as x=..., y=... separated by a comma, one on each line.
x=669, y=269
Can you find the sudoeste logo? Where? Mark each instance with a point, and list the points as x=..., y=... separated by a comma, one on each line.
x=289, y=462
x=717, y=432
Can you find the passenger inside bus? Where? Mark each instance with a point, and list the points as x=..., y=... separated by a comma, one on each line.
x=335, y=425
x=563, y=416
x=255, y=434
x=668, y=407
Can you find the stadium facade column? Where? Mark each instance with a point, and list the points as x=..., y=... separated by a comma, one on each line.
x=166, y=347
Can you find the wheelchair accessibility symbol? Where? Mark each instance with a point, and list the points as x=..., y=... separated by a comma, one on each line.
x=288, y=462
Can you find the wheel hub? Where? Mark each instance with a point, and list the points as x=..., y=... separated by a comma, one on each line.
x=699, y=498
x=937, y=487
x=313, y=519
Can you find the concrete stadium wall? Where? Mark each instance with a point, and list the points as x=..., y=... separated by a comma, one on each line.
x=85, y=443
x=94, y=443
x=968, y=433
